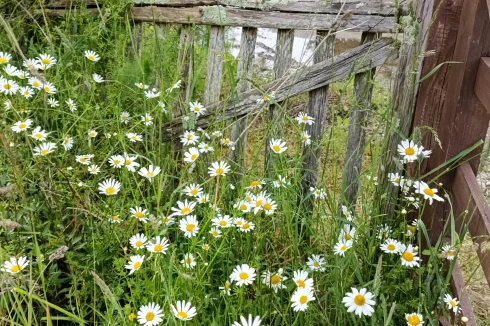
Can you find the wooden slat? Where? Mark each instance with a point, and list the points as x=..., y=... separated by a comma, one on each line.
x=366, y=7
x=317, y=109
x=300, y=81
x=238, y=131
x=467, y=196
x=277, y=112
x=225, y=16
x=482, y=84
x=185, y=61
x=214, y=72
x=356, y=139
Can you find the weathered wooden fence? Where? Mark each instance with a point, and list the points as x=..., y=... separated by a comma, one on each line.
x=455, y=101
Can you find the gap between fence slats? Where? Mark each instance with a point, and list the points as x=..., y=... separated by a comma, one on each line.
x=317, y=108
x=356, y=139
x=238, y=132
x=277, y=112
x=482, y=84
x=467, y=197
x=299, y=81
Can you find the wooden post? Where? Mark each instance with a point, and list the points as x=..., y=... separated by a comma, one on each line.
x=356, y=139
x=138, y=38
x=186, y=60
x=238, y=132
x=214, y=72
x=282, y=62
x=317, y=108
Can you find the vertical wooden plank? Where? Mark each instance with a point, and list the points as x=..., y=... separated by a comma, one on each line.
x=460, y=120
x=317, y=108
x=138, y=38
x=238, y=131
x=185, y=61
x=404, y=93
x=356, y=139
x=282, y=62
x=214, y=72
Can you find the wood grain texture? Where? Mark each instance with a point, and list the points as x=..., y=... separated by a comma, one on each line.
x=356, y=139
x=214, y=68
x=469, y=203
x=297, y=82
x=317, y=109
x=277, y=112
x=482, y=83
x=262, y=19
x=238, y=130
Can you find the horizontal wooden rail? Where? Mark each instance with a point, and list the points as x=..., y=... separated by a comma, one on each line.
x=470, y=206
x=361, y=58
x=482, y=84
x=366, y=7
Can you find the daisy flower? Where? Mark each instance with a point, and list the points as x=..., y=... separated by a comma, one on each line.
x=220, y=168
x=10, y=70
x=347, y=233
x=109, y=187
x=124, y=117
x=5, y=57
x=35, y=83
x=8, y=87
x=184, y=208
x=134, y=263
x=265, y=98
x=139, y=213
x=449, y=252
x=44, y=149
x=277, y=146
x=183, y=310
x=158, y=245
x=318, y=193
x=97, y=78
x=52, y=102
x=255, y=184
x=30, y=64
x=134, y=137
x=115, y=219
x=383, y=232
x=150, y=314
x=250, y=322
x=188, y=261
x=71, y=105
x=138, y=241
x=193, y=190
x=414, y=319
x=21, y=74
x=452, y=303
x=92, y=133
x=129, y=162
x=391, y=246
x=215, y=232
x=189, y=138
x=223, y=221
x=14, y=265
x=316, y=263
x=26, y=91
x=269, y=206
x=306, y=138
x=243, y=275
x=93, y=169
x=39, y=134
x=92, y=56
x=227, y=142
x=412, y=228
x=147, y=119
x=409, y=257
x=347, y=213
x=141, y=85
x=49, y=88
x=428, y=193
x=226, y=288
x=300, y=278
x=116, y=161
x=396, y=179
x=152, y=93
x=281, y=182
x=274, y=280
x=245, y=226
x=304, y=118
x=300, y=299
x=359, y=302
x=149, y=173
x=189, y=225
x=197, y=108
x=205, y=148
x=342, y=246
x=167, y=220
x=191, y=155
x=46, y=60
x=408, y=150
x=175, y=85
x=202, y=198
x=84, y=159
x=243, y=206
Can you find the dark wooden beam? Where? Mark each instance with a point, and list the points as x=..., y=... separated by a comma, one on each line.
x=482, y=84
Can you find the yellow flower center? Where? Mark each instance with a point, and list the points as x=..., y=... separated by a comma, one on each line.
x=245, y=226
x=276, y=148
x=452, y=303
x=7, y=86
x=44, y=151
x=219, y=171
x=243, y=207
x=196, y=108
x=91, y=57
x=409, y=151
x=137, y=265
x=359, y=300
x=347, y=236
x=194, y=192
x=411, y=229
x=267, y=206
x=304, y=118
x=22, y=126
x=193, y=157
x=397, y=180
x=343, y=248
x=116, y=162
x=47, y=89
x=46, y=61
x=316, y=264
x=301, y=283
x=408, y=256
x=150, y=316
x=265, y=98
x=450, y=253
x=190, y=227
x=189, y=137
x=258, y=203
x=243, y=275
x=188, y=260
x=182, y=314
x=139, y=214
x=429, y=192
x=227, y=286
x=110, y=190
x=127, y=162
x=150, y=174
x=254, y=183
x=15, y=268
x=158, y=248
x=413, y=320
x=131, y=317
x=138, y=243
x=275, y=279
x=185, y=210
x=38, y=135
x=147, y=119
x=115, y=218
x=222, y=223
x=303, y=299
x=391, y=247
x=82, y=159
x=35, y=84
x=215, y=233
x=3, y=60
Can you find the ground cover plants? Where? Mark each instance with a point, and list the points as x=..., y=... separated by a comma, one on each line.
x=105, y=224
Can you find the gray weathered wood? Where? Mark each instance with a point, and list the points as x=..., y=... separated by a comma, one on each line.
x=356, y=139
x=317, y=109
x=238, y=131
x=277, y=112
x=362, y=58
x=185, y=59
x=225, y=16
x=214, y=72
x=137, y=44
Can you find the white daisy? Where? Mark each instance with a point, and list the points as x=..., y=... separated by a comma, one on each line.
x=97, y=78
x=92, y=133
x=202, y=198
x=409, y=256
x=189, y=225
x=188, y=261
x=189, y=138
x=359, y=301
x=35, y=83
x=138, y=241
x=245, y=226
x=197, y=108
x=342, y=246
x=124, y=117
x=184, y=208
x=49, y=88
x=115, y=219
x=26, y=91
x=274, y=280
x=449, y=252
x=14, y=265
x=220, y=168
x=44, y=149
x=92, y=56
x=304, y=118
x=277, y=146
x=226, y=288
x=134, y=263
x=300, y=278
x=305, y=138
x=158, y=245
x=452, y=303
x=428, y=193
x=318, y=193
x=149, y=173
x=205, y=148
x=243, y=275
x=116, y=161
x=71, y=105
x=93, y=169
x=191, y=155
x=39, y=134
x=46, y=60
x=215, y=232
x=5, y=57
x=250, y=322
x=139, y=213
x=183, y=310
x=391, y=246
x=414, y=319
x=109, y=187
x=223, y=221
x=134, y=137
x=316, y=263
x=67, y=143
x=150, y=314
x=147, y=119
x=409, y=150
x=175, y=85
x=130, y=162
x=21, y=125
x=193, y=190
x=347, y=233
x=152, y=93
x=84, y=159
x=300, y=299
x=8, y=87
